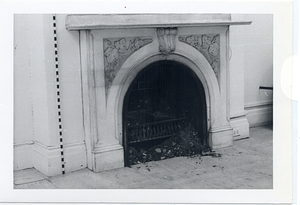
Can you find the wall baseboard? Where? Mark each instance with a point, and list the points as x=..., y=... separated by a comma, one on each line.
x=259, y=114
x=48, y=159
x=23, y=155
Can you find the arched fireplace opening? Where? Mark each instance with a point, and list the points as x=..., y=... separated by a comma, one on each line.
x=164, y=114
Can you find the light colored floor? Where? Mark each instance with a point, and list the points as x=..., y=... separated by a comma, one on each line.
x=246, y=165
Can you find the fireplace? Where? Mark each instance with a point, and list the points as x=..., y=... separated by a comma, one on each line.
x=164, y=100
x=147, y=78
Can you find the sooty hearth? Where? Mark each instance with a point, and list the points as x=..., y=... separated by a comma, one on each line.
x=164, y=114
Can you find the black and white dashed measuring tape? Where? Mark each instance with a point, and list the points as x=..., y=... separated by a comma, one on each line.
x=58, y=98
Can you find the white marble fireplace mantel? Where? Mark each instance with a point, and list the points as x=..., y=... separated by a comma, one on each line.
x=152, y=37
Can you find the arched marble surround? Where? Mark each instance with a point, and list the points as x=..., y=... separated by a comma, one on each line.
x=129, y=71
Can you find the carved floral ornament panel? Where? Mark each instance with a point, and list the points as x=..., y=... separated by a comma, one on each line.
x=116, y=51
x=208, y=45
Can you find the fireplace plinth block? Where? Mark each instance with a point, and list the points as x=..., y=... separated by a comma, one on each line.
x=108, y=157
x=240, y=127
x=221, y=137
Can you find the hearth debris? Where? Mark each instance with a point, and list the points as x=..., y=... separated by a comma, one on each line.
x=185, y=143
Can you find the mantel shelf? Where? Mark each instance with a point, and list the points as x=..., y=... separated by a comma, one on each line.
x=113, y=21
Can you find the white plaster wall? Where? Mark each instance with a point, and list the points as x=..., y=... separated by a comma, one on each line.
x=236, y=56
x=35, y=105
x=30, y=109
x=252, y=48
x=23, y=108
x=258, y=58
x=35, y=85
x=48, y=90
x=70, y=82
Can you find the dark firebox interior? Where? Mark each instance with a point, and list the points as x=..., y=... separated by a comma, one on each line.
x=166, y=100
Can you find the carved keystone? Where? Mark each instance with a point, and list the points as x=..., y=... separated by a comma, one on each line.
x=166, y=39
